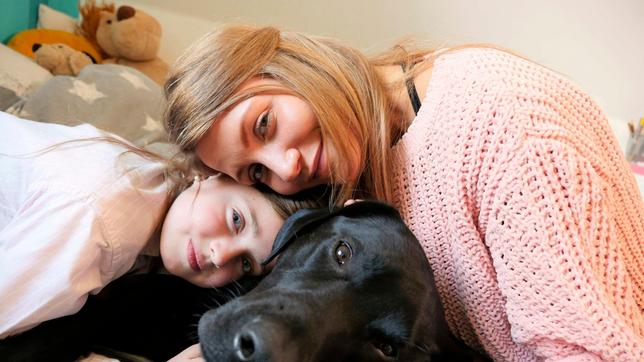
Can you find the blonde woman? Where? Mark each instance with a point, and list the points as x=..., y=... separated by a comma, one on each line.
x=507, y=173
x=78, y=211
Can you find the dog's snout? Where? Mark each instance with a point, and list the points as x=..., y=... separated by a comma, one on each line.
x=262, y=340
x=247, y=345
x=35, y=47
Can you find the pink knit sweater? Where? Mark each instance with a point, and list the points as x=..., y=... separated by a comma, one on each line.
x=527, y=211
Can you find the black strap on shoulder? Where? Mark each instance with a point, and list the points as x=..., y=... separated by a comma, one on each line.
x=411, y=90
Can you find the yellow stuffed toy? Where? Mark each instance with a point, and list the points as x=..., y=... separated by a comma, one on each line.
x=24, y=41
x=61, y=59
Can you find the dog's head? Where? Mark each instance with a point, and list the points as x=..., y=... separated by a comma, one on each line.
x=352, y=284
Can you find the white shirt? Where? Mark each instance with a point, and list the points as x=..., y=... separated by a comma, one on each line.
x=72, y=218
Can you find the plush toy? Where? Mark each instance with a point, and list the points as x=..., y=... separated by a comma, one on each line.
x=61, y=59
x=132, y=37
x=24, y=41
x=90, y=13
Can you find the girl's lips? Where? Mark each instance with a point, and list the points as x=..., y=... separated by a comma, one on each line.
x=192, y=258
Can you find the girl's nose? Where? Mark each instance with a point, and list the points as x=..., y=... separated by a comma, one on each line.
x=223, y=251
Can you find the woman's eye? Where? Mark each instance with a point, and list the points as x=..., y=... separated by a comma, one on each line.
x=255, y=172
x=247, y=266
x=261, y=128
x=343, y=252
x=238, y=221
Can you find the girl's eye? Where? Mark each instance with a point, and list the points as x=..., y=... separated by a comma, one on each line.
x=261, y=127
x=238, y=221
x=247, y=266
x=255, y=172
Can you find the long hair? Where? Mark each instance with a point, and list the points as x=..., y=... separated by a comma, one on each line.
x=338, y=82
x=179, y=174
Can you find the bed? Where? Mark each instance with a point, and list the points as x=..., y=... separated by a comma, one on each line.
x=115, y=98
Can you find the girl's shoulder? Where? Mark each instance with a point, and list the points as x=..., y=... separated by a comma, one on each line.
x=73, y=160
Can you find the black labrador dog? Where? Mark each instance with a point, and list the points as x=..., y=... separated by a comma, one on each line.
x=349, y=285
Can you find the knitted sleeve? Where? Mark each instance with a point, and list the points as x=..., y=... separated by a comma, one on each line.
x=559, y=258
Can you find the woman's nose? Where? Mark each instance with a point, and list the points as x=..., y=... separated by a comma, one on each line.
x=222, y=252
x=289, y=168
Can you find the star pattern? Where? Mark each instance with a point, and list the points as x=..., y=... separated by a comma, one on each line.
x=87, y=92
x=136, y=81
x=151, y=124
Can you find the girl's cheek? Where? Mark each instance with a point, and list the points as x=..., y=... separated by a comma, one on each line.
x=220, y=277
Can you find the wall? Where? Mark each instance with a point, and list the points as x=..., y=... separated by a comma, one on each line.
x=599, y=44
x=18, y=15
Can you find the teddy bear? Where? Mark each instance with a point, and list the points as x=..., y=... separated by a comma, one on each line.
x=132, y=37
x=61, y=59
x=90, y=12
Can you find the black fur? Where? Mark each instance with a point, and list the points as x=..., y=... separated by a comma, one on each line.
x=146, y=315
x=380, y=305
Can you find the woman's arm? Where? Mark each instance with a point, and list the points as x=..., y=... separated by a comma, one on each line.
x=555, y=234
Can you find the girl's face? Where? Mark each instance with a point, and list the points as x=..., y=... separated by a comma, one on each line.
x=217, y=231
x=274, y=139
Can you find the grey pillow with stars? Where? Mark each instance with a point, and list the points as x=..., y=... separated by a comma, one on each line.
x=114, y=98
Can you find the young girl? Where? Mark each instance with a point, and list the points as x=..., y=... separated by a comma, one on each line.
x=77, y=213
x=507, y=173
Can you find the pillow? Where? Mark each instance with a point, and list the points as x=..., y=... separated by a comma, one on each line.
x=112, y=97
x=7, y=98
x=20, y=73
x=49, y=18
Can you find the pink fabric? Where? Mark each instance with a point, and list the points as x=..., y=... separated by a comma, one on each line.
x=527, y=211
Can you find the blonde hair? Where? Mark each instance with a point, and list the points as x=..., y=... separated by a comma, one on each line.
x=180, y=174
x=338, y=82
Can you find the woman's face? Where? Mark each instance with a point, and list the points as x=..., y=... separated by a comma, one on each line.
x=274, y=139
x=216, y=231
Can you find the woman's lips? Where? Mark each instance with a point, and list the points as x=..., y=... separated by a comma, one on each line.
x=193, y=261
x=322, y=170
x=316, y=162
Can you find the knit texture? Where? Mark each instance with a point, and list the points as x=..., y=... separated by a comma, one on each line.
x=528, y=213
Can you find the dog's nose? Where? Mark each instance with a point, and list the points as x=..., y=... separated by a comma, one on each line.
x=261, y=340
x=247, y=345
x=35, y=47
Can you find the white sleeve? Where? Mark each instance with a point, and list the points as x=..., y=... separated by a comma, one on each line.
x=51, y=256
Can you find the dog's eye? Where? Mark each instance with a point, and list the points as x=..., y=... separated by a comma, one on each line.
x=387, y=349
x=343, y=252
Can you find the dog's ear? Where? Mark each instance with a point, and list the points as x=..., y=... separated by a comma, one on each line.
x=306, y=218
x=368, y=208
x=294, y=225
